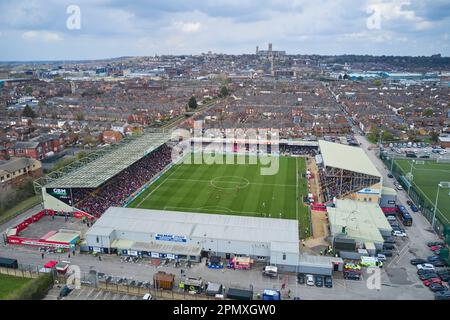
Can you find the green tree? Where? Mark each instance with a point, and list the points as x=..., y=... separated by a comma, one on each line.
x=377, y=82
x=192, y=104
x=434, y=136
x=28, y=90
x=28, y=112
x=428, y=112
x=224, y=92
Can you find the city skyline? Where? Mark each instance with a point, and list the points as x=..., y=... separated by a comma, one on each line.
x=33, y=30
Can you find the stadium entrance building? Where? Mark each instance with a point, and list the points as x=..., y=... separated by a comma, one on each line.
x=189, y=236
x=347, y=173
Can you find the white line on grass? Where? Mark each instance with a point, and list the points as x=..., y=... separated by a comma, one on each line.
x=296, y=188
x=164, y=181
x=234, y=182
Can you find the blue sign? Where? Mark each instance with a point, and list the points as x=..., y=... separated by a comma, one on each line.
x=170, y=237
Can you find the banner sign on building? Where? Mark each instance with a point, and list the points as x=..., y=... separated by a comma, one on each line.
x=62, y=194
x=170, y=237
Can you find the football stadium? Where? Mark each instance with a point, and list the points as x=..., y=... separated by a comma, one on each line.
x=232, y=204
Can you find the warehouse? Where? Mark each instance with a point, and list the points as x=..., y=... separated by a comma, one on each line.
x=363, y=222
x=188, y=236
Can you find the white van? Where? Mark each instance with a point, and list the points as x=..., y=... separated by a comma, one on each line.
x=309, y=280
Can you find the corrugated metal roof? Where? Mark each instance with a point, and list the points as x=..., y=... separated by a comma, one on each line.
x=198, y=225
x=346, y=157
x=363, y=220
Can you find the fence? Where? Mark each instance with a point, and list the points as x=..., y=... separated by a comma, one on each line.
x=425, y=205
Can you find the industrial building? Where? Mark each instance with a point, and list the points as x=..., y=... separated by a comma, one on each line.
x=363, y=222
x=189, y=236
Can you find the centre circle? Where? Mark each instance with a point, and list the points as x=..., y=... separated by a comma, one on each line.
x=229, y=182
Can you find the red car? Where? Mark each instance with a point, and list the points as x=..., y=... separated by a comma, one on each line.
x=430, y=281
x=435, y=248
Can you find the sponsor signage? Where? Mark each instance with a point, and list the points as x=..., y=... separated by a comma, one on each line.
x=369, y=191
x=170, y=237
x=62, y=194
x=155, y=255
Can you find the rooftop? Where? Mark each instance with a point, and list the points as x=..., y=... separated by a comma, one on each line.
x=362, y=220
x=197, y=225
x=346, y=157
x=95, y=173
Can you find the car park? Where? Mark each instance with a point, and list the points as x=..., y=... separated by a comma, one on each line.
x=309, y=280
x=415, y=262
x=425, y=266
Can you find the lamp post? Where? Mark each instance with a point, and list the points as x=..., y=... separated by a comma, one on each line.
x=444, y=185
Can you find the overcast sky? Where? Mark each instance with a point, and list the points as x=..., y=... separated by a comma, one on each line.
x=38, y=29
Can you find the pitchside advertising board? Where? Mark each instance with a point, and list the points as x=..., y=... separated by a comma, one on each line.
x=62, y=194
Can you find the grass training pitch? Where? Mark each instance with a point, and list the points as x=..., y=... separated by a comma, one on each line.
x=232, y=189
x=426, y=177
x=10, y=284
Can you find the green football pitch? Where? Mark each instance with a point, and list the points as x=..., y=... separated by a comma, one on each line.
x=426, y=178
x=232, y=189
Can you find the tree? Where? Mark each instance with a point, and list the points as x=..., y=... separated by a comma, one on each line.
x=377, y=82
x=192, y=104
x=428, y=112
x=224, y=92
x=28, y=112
x=434, y=136
x=28, y=90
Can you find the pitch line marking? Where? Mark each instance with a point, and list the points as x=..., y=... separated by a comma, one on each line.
x=231, y=182
x=164, y=181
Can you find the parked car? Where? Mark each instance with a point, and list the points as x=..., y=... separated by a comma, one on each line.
x=441, y=295
x=388, y=246
x=399, y=187
x=439, y=263
x=414, y=208
x=436, y=287
x=415, y=262
x=309, y=280
x=391, y=218
x=328, y=282
x=427, y=276
x=352, y=266
x=381, y=257
x=301, y=278
x=397, y=233
x=386, y=253
x=390, y=175
x=425, y=266
x=444, y=277
x=432, y=280
x=319, y=281
x=435, y=243
x=433, y=258
x=435, y=248
x=352, y=275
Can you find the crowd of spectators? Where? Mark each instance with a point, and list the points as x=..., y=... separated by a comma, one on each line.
x=119, y=188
